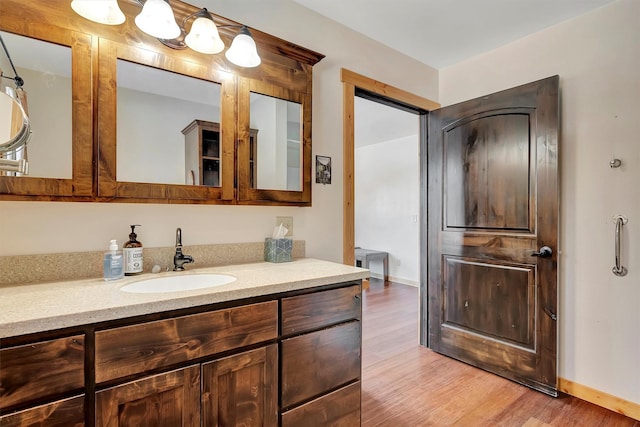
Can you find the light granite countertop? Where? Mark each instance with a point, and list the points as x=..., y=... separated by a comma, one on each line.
x=26, y=309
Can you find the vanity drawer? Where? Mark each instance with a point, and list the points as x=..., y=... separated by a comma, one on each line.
x=138, y=348
x=311, y=311
x=61, y=413
x=340, y=408
x=320, y=361
x=42, y=369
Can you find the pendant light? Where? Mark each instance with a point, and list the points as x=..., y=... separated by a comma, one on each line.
x=243, y=51
x=157, y=20
x=204, y=36
x=102, y=11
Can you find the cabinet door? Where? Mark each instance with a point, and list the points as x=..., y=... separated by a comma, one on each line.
x=62, y=413
x=242, y=390
x=168, y=399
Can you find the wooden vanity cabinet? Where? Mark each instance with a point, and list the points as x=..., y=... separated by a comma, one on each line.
x=289, y=359
x=36, y=380
x=321, y=358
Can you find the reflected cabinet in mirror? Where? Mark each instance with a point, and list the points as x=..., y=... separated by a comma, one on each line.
x=118, y=115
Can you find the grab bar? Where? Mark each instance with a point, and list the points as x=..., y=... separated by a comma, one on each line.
x=619, y=270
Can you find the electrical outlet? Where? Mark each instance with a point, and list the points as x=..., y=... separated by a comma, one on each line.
x=286, y=221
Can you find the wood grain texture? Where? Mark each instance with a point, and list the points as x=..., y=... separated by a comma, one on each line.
x=306, y=312
x=507, y=208
x=338, y=409
x=40, y=370
x=251, y=193
x=242, y=390
x=168, y=399
x=363, y=82
x=404, y=384
x=80, y=183
x=61, y=413
x=348, y=171
x=600, y=398
x=137, y=348
x=493, y=187
x=96, y=47
x=474, y=285
x=318, y=362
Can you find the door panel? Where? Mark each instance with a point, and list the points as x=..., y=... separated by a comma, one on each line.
x=487, y=171
x=493, y=202
x=474, y=285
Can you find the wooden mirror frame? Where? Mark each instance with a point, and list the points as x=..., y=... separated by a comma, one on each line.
x=81, y=182
x=285, y=67
x=245, y=192
x=108, y=185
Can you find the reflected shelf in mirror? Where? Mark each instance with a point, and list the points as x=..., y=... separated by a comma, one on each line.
x=279, y=122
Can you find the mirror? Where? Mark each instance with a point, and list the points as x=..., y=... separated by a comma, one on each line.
x=278, y=156
x=157, y=141
x=46, y=70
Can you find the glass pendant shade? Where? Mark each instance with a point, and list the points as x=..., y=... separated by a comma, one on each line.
x=101, y=11
x=204, y=36
x=157, y=20
x=243, y=51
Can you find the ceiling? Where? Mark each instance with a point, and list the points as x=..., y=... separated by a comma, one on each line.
x=440, y=33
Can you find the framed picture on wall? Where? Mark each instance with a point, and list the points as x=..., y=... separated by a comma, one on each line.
x=323, y=170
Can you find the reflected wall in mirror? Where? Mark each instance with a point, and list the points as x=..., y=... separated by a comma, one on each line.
x=46, y=70
x=278, y=151
x=155, y=108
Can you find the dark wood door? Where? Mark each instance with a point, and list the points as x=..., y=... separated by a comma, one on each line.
x=493, y=204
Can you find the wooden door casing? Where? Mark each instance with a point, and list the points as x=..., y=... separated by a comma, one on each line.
x=493, y=202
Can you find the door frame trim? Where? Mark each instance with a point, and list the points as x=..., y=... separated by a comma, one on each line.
x=351, y=81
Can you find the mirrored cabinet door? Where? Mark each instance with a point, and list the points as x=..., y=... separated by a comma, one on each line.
x=274, y=150
x=168, y=137
x=55, y=65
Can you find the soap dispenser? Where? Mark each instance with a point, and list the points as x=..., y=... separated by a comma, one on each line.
x=113, y=263
x=132, y=253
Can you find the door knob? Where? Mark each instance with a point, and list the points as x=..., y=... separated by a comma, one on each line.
x=545, y=252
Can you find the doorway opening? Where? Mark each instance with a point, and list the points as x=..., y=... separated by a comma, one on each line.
x=363, y=87
x=387, y=201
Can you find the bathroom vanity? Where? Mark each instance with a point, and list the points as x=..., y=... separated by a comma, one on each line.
x=279, y=346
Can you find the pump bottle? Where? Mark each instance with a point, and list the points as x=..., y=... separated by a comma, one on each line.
x=113, y=263
x=132, y=254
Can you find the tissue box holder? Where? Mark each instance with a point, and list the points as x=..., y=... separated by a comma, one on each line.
x=277, y=250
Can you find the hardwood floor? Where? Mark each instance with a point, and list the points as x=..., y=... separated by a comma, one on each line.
x=408, y=385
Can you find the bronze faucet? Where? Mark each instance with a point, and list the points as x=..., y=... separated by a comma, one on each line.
x=180, y=259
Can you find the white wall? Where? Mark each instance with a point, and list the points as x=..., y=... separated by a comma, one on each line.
x=49, y=149
x=598, y=59
x=387, y=200
x=151, y=145
x=47, y=227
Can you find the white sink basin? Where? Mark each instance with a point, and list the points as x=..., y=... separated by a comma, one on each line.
x=177, y=283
